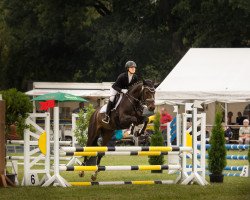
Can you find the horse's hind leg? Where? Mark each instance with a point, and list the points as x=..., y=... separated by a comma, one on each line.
x=107, y=135
x=92, y=141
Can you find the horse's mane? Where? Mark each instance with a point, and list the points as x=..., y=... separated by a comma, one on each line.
x=139, y=82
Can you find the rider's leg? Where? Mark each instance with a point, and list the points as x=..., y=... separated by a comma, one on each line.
x=108, y=110
x=110, y=105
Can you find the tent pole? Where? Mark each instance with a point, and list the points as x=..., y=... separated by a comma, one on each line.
x=225, y=114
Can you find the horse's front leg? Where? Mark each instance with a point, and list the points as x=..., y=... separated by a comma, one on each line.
x=94, y=176
x=81, y=173
x=106, y=137
x=127, y=120
x=145, y=123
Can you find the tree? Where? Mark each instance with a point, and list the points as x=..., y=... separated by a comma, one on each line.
x=156, y=140
x=18, y=105
x=82, y=125
x=217, y=152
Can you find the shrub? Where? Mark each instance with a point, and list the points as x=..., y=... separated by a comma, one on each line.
x=156, y=140
x=82, y=125
x=18, y=105
x=217, y=152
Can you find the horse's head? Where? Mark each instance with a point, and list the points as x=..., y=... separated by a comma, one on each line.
x=148, y=94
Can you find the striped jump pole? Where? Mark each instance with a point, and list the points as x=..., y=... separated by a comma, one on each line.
x=130, y=148
x=120, y=168
x=228, y=168
x=229, y=157
x=230, y=146
x=121, y=183
x=229, y=174
x=114, y=153
x=32, y=157
x=36, y=142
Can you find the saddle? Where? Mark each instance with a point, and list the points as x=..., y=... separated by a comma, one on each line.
x=117, y=100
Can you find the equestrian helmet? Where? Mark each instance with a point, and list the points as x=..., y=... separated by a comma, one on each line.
x=129, y=64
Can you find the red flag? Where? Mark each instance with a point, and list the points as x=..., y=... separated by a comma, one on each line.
x=47, y=104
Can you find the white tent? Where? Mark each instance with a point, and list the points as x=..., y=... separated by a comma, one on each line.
x=209, y=74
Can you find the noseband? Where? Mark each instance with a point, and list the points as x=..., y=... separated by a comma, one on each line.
x=142, y=102
x=151, y=90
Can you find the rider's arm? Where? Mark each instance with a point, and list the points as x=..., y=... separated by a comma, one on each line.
x=118, y=83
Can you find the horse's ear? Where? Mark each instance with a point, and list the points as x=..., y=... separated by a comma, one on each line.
x=156, y=85
x=144, y=82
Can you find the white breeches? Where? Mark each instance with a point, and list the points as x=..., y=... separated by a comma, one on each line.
x=113, y=92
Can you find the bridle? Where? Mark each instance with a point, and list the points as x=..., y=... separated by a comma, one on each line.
x=142, y=102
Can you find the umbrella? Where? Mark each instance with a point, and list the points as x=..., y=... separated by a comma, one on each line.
x=59, y=96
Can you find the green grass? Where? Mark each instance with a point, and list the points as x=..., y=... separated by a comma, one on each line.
x=232, y=188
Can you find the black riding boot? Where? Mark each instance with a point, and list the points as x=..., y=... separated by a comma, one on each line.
x=109, y=107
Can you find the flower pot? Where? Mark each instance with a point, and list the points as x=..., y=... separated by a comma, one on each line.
x=12, y=177
x=156, y=171
x=216, y=178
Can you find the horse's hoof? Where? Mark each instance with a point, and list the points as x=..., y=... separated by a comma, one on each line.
x=81, y=174
x=93, y=177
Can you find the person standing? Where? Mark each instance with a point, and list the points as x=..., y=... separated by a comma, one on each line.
x=164, y=119
x=121, y=85
x=81, y=107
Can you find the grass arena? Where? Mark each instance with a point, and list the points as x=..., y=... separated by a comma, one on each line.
x=126, y=176
x=232, y=188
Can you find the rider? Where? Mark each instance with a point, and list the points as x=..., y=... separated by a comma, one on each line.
x=121, y=85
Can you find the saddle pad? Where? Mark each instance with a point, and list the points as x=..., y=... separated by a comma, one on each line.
x=104, y=108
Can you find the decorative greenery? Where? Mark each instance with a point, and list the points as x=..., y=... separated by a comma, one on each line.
x=82, y=125
x=156, y=140
x=217, y=152
x=18, y=105
x=81, y=40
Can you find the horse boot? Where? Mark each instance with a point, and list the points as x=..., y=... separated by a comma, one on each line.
x=108, y=110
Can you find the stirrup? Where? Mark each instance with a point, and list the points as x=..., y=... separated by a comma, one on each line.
x=106, y=119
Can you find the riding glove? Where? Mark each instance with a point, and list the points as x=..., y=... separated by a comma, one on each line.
x=124, y=91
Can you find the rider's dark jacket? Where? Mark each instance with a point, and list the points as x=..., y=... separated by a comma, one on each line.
x=122, y=82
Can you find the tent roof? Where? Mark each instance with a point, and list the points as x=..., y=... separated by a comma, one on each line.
x=77, y=89
x=209, y=74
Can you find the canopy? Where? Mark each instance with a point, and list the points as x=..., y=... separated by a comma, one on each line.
x=209, y=74
x=58, y=96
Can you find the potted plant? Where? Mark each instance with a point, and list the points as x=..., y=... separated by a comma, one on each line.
x=18, y=105
x=217, y=152
x=156, y=140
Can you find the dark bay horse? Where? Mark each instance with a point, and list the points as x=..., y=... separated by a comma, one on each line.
x=129, y=111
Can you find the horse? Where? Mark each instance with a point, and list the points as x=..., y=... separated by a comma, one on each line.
x=130, y=111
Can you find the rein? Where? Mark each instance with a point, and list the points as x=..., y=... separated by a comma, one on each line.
x=143, y=101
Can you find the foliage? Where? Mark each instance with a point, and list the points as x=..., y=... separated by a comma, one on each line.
x=18, y=105
x=82, y=124
x=156, y=140
x=83, y=40
x=217, y=152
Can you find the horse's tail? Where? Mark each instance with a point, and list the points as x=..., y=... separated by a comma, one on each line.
x=92, y=132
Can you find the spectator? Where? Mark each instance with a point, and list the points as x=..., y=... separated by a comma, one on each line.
x=227, y=133
x=81, y=107
x=244, y=133
x=164, y=119
x=239, y=119
x=229, y=117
